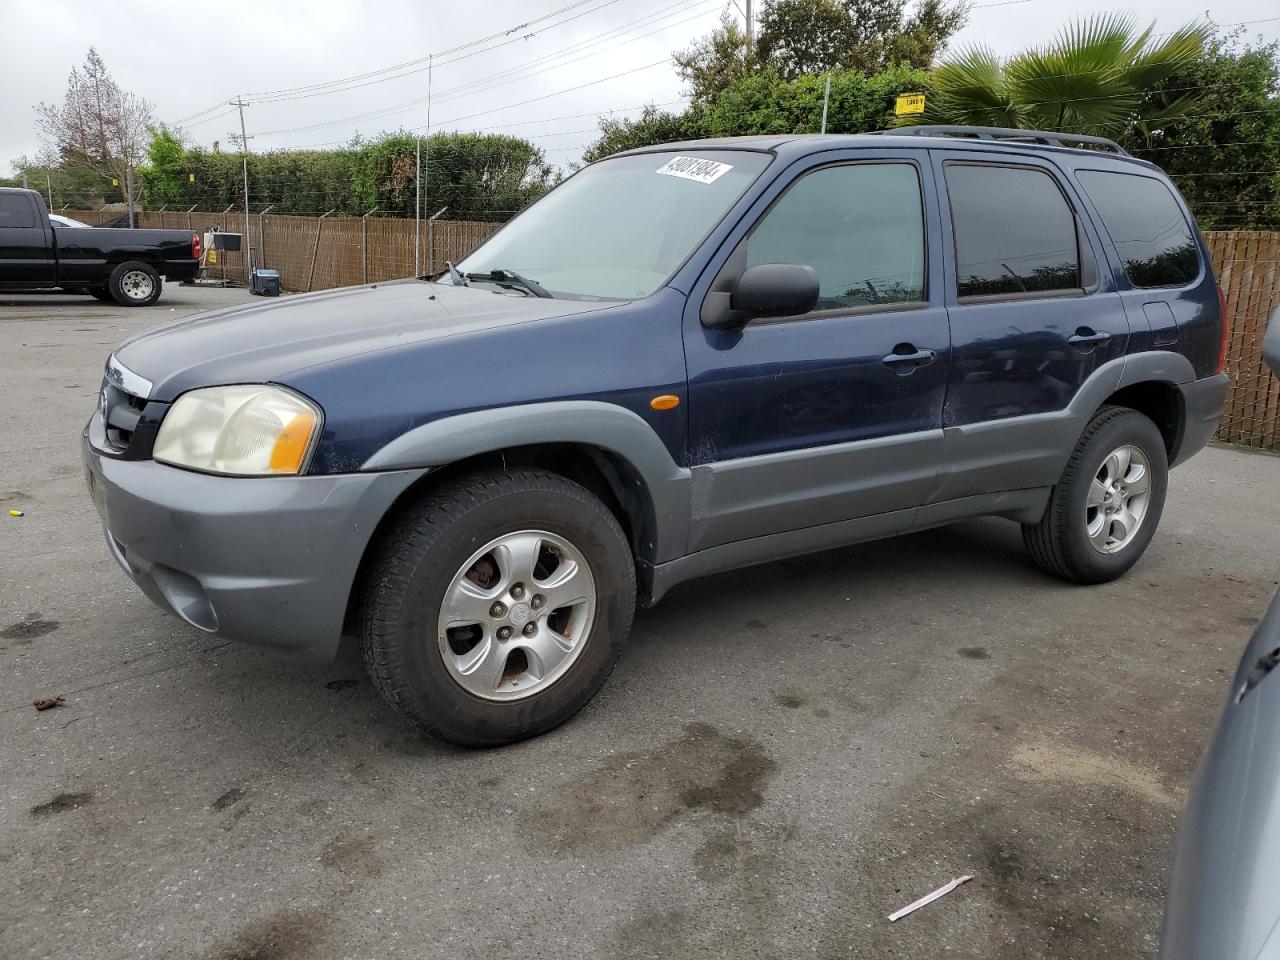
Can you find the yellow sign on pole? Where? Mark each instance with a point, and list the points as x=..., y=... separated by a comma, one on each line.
x=908, y=103
x=213, y=256
x=115, y=182
x=191, y=178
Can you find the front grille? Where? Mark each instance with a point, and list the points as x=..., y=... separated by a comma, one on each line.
x=121, y=412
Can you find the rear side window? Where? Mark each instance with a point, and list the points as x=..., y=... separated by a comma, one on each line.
x=1150, y=232
x=15, y=211
x=860, y=226
x=1014, y=232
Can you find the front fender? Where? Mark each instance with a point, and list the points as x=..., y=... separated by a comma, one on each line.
x=590, y=422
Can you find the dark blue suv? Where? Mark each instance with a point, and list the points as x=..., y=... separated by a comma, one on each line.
x=684, y=359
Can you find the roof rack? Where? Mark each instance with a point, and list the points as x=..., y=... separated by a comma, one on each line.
x=1004, y=133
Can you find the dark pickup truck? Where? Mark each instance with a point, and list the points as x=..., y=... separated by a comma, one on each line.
x=120, y=265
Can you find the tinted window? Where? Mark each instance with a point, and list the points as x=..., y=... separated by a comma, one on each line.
x=859, y=226
x=1014, y=231
x=1145, y=223
x=15, y=211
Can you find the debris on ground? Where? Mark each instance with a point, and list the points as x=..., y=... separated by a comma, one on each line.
x=16, y=513
x=928, y=898
x=48, y=703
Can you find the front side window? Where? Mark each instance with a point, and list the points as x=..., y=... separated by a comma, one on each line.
x=15, y=211
x=860, y=226
x=621, y=227
x=1014, y=232
x=1151, y=235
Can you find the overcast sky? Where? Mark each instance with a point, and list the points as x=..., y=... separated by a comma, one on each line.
x=609, y=50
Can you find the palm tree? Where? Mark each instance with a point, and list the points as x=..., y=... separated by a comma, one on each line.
x=1091, y=78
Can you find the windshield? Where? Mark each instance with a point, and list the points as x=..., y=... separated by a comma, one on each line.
x=622, y=226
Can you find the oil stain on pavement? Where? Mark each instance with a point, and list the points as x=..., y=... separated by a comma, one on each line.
x=60, y=804
x=630, y=798
x=287, y=935
x=28, y=628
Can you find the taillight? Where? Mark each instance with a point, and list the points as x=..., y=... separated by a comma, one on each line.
x=195, y=252
x=1222, y=320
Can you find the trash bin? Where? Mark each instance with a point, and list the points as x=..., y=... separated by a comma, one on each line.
x=265, y=283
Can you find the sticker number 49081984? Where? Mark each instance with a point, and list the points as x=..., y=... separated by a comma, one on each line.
x=695, y=168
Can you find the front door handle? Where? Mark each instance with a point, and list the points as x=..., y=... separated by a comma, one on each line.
x=905, y=358
x=1086, y=338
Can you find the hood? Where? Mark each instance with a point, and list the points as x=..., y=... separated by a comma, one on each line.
x=272, y=340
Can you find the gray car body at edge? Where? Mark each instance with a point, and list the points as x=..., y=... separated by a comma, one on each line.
x=1224, y=892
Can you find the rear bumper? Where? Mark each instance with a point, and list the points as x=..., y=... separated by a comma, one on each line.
x=1203, y=402
x=180, y=269
x=268, y=561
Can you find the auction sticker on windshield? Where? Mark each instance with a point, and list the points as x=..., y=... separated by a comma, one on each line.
x=695, y=168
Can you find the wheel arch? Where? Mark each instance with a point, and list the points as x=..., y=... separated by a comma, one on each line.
x=606, y=448
x=613, y=479
x=1151, y=383
x=1162, y=402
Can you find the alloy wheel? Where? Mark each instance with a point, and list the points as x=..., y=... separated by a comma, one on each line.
x=1118, y=499
x=516, y=615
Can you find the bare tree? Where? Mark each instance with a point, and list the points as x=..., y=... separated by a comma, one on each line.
x=98, y=126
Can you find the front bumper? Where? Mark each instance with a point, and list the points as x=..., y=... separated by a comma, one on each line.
x=264, y=560
x=1203, y=402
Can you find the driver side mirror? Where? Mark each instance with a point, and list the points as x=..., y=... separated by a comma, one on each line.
x=768, y=290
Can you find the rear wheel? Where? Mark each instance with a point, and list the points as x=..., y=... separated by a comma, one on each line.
x=497, y=606
x=1104, y=510
x=134, y=284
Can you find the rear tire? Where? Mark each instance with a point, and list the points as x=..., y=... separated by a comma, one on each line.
x=1104, y=510
x=525, y=553
x=134, y=284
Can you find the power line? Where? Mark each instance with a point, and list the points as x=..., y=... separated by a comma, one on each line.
x=419, y=65
x=510, y=106
x=520, y=123
x=527, y=70
x=336, y=86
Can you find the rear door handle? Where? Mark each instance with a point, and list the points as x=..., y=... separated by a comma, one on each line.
x=906, y=357
x=1086, y=338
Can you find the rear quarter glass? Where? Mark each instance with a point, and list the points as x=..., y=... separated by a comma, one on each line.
x=1147, y=226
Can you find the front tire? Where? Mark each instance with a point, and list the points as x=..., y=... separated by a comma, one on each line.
x=497, y=606
x=1104, y=510
x=134, y=284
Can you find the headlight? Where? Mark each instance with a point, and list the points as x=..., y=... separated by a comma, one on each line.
x=248, y=430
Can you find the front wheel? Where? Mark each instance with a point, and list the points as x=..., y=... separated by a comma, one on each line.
x=497, y=606
x=1104, y=510
x=134, y=285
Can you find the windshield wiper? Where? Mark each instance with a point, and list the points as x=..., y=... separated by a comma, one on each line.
x=510, y=276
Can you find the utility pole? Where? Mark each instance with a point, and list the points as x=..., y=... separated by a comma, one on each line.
x=417, y=212
x=426, y=167
x=751, y=26
x=48, y=182
x=417, y=183
x=826, y=97
x=244, y=159
x=128, y=189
